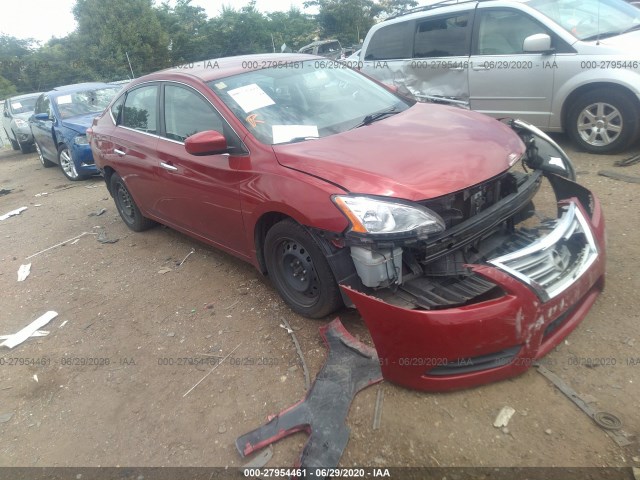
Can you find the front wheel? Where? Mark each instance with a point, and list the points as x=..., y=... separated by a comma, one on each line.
x=300, y=271
x=67, y=164
x=127, y=208
x=603, y=121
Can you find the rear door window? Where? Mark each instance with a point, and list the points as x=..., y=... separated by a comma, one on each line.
x=445, y=36
x=141, y=109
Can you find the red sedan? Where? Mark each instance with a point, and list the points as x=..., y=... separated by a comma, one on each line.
x=420, y=215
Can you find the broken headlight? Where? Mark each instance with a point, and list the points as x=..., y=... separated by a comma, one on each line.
x=381, y=217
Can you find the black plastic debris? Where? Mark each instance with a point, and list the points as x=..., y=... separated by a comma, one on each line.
x=350, y=367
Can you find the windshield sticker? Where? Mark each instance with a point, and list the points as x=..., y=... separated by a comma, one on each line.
x=253, y=120
x=16, y=105
x=63, y=99
x=251, y=97
x=286, y=133
x=221, y=85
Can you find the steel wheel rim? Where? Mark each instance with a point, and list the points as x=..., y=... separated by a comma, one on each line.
x=600, y=124
x=296, y=270
x=125, y=204
x=67, y=164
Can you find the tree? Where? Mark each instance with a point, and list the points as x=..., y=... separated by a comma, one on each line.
x=186, y=27
x=7, y=88
x=393, y=7
x=112, y=29
x=347, y=20
x=293, y=28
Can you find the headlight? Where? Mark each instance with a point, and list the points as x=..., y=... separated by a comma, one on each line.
x=21, y=123
x=375, y=216
x=81, y=140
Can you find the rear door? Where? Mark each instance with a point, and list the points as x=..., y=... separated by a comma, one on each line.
x=199, y=194
x=133, y=143
x=426, y=57
x=43, y=129
x=505, y=81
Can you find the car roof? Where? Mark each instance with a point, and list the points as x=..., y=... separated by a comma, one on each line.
x=78, y=87
x=207, y=70
x=26, y=95
x=437, y=4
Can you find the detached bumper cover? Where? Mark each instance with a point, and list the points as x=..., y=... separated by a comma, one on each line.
x=549, y=287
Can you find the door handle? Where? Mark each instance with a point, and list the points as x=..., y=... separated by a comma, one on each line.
x=168, y=166
x=119, y=152
x=457, y=69
x=479, y=67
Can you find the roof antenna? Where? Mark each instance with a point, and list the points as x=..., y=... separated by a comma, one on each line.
x=132, y=75
x=598, y=37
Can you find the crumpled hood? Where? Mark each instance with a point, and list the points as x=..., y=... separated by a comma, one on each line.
x=425, y=152
x=80, y=123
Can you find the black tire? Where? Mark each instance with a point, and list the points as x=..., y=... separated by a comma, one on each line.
x=14, y=144
x=603, y=121
x=45, y=163
x=127, y=208
x=24, y=149
x=300, y=271
x=67, y=164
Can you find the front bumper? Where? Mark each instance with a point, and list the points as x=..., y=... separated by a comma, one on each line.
x=83, y=159
x=440, y=350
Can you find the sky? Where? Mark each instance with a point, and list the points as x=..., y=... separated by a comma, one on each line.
x=43, y=19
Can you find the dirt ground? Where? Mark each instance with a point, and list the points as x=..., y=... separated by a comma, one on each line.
x=129, y=311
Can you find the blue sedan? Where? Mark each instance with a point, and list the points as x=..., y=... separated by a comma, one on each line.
x=60, y=122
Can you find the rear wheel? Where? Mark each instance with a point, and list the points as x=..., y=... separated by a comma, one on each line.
x=603, y=121
x=300, y=271
x=45, y=163
x=67, y=164
x=127, y=208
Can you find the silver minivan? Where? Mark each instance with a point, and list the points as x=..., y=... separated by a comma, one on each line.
x=562, y=65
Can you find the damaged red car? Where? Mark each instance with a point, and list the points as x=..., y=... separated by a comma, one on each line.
x=465, y=242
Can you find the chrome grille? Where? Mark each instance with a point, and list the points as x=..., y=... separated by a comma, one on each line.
x=552, y=263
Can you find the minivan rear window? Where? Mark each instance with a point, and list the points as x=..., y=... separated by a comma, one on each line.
x=392, y=41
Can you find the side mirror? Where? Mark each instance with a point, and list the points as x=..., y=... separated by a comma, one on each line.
x=6, y=113
x=538, y=43
x=41, y=116
x=208, y=142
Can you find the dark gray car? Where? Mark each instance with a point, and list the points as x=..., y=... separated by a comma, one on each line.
x=16, y=113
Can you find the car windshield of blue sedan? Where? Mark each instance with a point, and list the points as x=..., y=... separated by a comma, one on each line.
x=304, y=100
x=591, y=19
x=84, y=102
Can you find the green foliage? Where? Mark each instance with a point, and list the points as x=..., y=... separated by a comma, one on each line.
x=7, y=88
x=347, y=20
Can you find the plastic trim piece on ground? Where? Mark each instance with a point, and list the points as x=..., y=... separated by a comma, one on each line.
x=350, y=367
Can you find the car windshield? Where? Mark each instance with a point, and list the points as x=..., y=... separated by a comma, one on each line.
x=23, y=105
x=303, y=100
x=85, y=101
x=591, y=19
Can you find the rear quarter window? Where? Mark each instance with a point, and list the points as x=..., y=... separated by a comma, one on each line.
x=391, y=42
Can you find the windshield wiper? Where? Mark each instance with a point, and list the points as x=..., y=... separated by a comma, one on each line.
x=610, y=34
x=297, y=139
x=369, y=119
x=631, y=29
x=600, y=36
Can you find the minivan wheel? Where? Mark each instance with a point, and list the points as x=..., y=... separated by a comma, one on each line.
x=67, y=164
x=45, y=163
x=127, y=208
x=603, y=121
x=300, y=271
x=14, y=144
